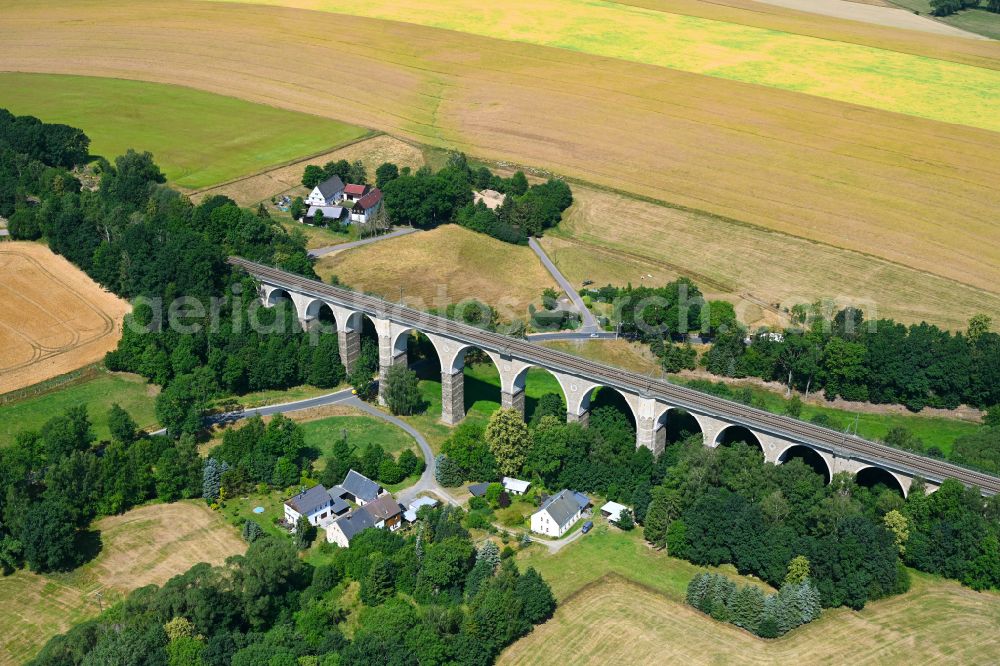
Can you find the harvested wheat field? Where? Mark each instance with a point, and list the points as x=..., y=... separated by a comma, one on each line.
x=144, y=546
x=914, y=191
x=372, y=152
x=615, y=621
x=750, y=266
x=443, y=266
x=873, y=77
x=53, y=317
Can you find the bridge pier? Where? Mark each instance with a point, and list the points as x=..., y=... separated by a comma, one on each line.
x=583, y=418
x=383, y=372
x=513, y=400
x=349, y=344
x=452, y=397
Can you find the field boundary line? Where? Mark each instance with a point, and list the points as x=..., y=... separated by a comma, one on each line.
x=371, y=134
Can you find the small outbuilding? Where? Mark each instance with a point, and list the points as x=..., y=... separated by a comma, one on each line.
x=613, y=511
x=478, y=489
x=515, y=486
x=410, y=515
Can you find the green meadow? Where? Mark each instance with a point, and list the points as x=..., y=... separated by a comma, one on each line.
x=197, y=138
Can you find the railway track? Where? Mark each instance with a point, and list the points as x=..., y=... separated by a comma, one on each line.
x=840, y=444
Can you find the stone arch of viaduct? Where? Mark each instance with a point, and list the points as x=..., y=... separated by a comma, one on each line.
x=651, y=401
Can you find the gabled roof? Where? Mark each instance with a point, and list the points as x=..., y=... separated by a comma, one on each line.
x=355, y=190
x=614, y=510
x=360, y=486
x=369, y=200
x=309, y=501
x=329, y=212
x=561, y=507
x=478, y=489
x=331, y=186
x=340, y=506
x=423, y=501
x=383, y=508
x=515, y=485
x=354, y=522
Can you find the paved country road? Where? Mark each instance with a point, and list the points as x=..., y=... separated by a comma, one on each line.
x=589, y=322
x=320, y=251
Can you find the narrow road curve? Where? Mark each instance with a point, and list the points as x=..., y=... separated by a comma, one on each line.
x=321, y=251
x=589, y=322
x=427, y=481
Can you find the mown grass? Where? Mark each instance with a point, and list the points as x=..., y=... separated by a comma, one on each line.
x=197, y=138
x=878, y=78
x=145, y=545
x=432, y=269
x=132, y=392
x=360, y=431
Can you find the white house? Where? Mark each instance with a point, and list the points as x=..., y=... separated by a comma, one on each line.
x=366, y=207
x=613, y=511
x=315, y=504
x=557, y=514
x=515, y=486
x=327, y=193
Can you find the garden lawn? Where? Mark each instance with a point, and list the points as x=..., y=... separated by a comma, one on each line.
x=360, y=431
x=197, y=138
x=131, y=392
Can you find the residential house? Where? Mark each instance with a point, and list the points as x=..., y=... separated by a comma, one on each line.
x=515, y=486
x=557, y=514
x=354, y=192
x=613, y=511
x=314, y=504
x=410, y=515
x=366, y=207
x=327, y=193
x=385, y=512
x=359, y=489
x=345, y=528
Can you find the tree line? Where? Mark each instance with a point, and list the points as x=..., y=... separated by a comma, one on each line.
x=430, y=597
x=724, y=505
x=56, y=480
x=425, y=199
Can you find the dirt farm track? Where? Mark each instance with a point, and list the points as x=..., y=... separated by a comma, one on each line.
x=53, y=318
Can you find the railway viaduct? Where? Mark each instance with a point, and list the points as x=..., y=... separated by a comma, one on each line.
x=652, y=401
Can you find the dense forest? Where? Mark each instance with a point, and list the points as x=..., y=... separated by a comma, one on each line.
x=724, y=505
x=430, y=597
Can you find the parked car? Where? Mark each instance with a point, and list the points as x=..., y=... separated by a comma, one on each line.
x=586, y=526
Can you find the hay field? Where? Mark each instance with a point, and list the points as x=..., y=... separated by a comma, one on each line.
x=913, y=191
x=750, y=266
x=197, y=138
x=616, y=621
x=442, y=266
x=876, y=78
x=288, y=178
x=147, y=545
x=53, y=317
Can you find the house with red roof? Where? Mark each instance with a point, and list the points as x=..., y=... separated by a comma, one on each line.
x=354, y=192
x=366, y=207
